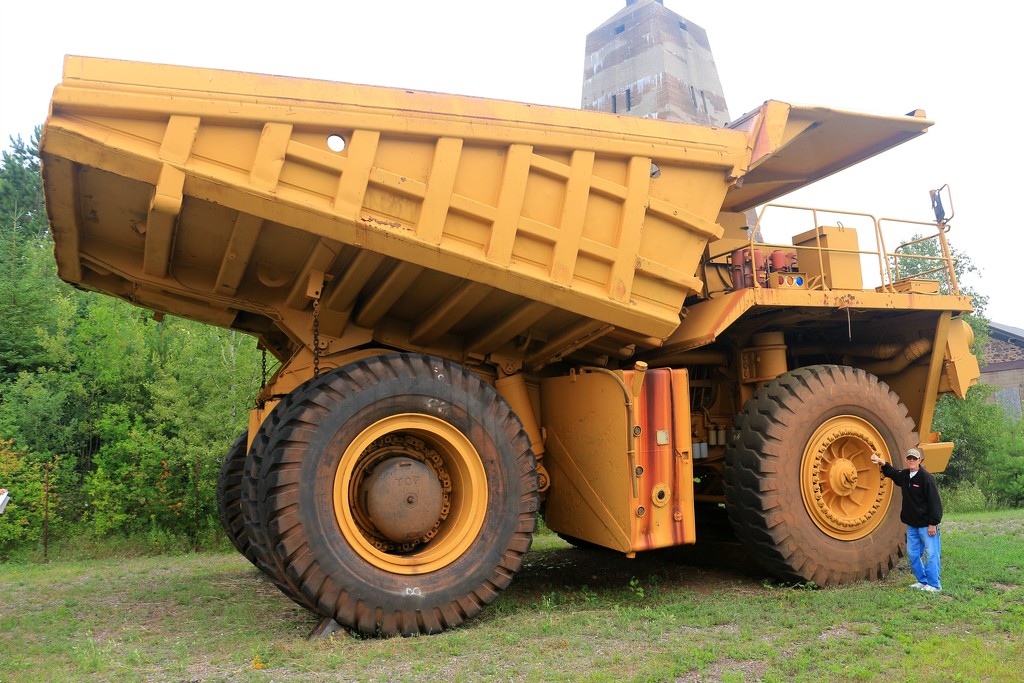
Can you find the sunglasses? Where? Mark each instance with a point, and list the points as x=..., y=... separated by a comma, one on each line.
x=913, y=457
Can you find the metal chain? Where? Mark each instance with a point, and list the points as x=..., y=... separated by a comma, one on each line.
x=316, y=337
x=260, y=402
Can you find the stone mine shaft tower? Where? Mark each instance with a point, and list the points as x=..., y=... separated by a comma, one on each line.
x=649, y=61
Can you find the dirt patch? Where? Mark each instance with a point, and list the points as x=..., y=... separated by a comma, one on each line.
x=836, y=633
x=751, y=669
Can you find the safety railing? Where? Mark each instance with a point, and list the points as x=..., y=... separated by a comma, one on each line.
x=834, y=259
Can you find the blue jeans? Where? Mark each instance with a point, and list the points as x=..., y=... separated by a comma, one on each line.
x=920, y=543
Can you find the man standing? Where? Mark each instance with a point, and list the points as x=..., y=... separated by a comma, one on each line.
x=922, y=512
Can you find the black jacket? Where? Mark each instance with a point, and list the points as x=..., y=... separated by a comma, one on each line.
x=921, y=504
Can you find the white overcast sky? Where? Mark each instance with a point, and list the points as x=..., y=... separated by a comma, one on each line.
x=960, y=61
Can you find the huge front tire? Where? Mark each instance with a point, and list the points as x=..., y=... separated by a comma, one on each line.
x=801, y=490
x=399, y=493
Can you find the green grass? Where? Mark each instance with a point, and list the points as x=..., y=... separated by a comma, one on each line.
x=682, y=614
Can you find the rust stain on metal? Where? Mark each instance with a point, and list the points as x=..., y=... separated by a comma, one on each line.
x=380, y=221
x=846, y=301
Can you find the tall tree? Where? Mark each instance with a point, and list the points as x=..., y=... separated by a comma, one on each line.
x=25, y=261
x=21, y=187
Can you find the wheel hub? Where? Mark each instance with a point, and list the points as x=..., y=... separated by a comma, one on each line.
x=842, y=477
x=403, y=498
x=380, y=503
x=844, y=493
x=410, y=493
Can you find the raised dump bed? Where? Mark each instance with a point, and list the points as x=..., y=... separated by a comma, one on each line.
x=419, y=220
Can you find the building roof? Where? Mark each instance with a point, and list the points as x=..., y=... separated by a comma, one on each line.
x=1006, y=333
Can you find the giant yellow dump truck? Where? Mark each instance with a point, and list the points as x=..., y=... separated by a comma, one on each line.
x=486, y=311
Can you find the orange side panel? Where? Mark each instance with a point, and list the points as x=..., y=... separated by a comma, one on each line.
x=663, y=514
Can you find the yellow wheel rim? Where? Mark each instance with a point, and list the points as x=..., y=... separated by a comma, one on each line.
x=845, y=493
x=460, y=472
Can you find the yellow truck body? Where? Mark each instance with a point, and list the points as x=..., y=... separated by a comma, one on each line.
x=597, y=275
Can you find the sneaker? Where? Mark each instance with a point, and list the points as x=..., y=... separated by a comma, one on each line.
x=917, y=585
x=931, y=589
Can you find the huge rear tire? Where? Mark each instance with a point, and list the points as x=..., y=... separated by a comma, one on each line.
x=399, y=493
x=801, y=490
x=251, y=518
x=229, y=497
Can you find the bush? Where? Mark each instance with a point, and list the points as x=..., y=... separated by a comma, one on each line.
x=988, y=455
x=22, y=521
x=965, y=497
x=1004, y=473
x=136, y=485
